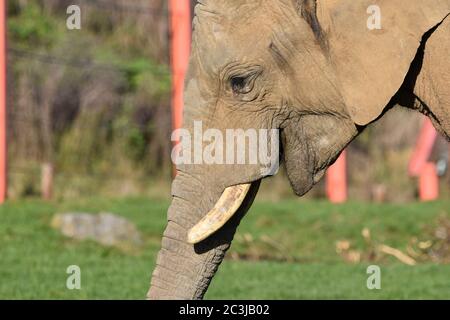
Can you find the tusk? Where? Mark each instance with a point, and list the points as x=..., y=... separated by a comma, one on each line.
x=229, y=202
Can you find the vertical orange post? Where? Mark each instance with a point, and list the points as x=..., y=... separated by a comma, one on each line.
x=419, y=165
x=428, y=183
x=3, y=150
x=180, y=26
x=422, y=151
x=336, y=180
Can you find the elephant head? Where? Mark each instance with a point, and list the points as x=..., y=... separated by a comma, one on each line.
x=310, y=69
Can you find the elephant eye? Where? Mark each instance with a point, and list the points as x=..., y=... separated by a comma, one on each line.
x=241, y=85
x=241, y=81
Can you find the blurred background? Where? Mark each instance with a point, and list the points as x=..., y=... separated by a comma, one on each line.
x=95, y=105
x=89, y=120
x=92, y=103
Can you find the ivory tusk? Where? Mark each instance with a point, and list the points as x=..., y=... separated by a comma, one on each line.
x=227, y=205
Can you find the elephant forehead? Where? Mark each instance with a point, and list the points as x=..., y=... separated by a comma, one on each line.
x=227, y=36
x=230, y=9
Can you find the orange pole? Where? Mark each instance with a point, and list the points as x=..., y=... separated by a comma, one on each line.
x=423, y=148
x=419, y=165
x=180, y=26
x=428, y=183
x=336, y=180
x=3, y=150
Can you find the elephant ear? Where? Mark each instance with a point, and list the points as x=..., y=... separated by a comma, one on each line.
x=371, y=65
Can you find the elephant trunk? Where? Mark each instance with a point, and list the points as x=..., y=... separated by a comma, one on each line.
x=184, y=270
x=180, y=272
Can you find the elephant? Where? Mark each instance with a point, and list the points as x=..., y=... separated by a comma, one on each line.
x=315, y=71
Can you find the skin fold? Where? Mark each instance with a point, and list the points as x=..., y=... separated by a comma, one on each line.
x=311, y=69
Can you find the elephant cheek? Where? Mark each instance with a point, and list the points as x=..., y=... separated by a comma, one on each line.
x=298, y=164
x=301, y=180
x=311, y=144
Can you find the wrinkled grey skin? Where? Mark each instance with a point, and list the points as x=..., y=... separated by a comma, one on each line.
x=290, y=85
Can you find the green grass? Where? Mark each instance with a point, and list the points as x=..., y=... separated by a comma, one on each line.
x=34, y=257
x=269, y=280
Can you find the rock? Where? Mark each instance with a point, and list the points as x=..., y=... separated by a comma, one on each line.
x=105, y=228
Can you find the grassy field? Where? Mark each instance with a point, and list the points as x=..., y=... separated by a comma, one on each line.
x=285, y=250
